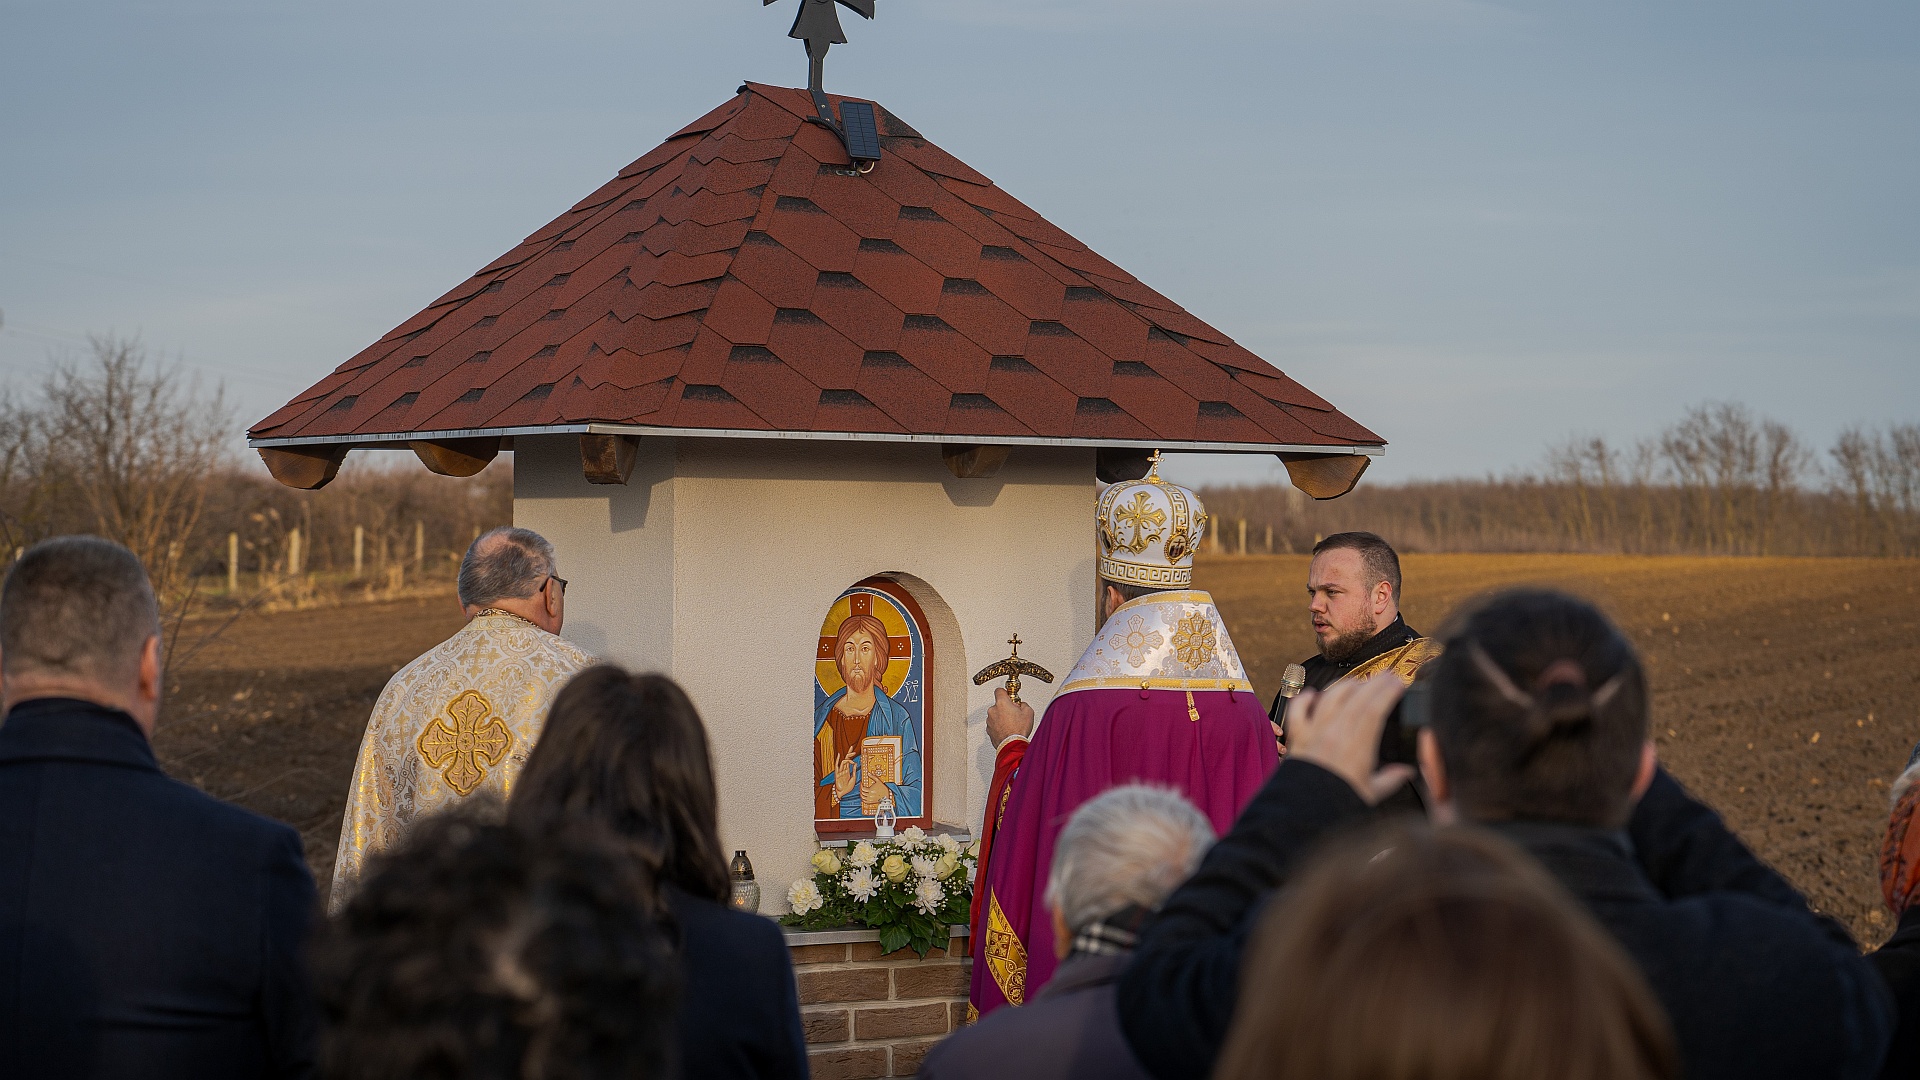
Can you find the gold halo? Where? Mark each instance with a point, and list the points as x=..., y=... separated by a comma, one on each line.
x=887, y=610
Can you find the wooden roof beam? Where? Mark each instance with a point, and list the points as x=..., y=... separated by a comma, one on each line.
x=305, y=467
x=1325, y=476
x=456, y=457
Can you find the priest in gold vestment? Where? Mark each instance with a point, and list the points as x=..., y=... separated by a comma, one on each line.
x=462, y=718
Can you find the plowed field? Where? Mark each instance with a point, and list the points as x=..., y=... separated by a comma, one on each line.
x=268, y=713
x=1786, y=691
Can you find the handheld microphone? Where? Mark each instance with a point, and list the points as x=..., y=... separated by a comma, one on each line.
x=1293, y=680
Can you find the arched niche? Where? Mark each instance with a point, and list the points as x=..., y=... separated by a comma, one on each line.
x=875, y=723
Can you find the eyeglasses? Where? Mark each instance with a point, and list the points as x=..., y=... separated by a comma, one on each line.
x=558, y=578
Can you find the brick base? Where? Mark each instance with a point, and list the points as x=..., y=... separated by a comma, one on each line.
x=866, y=1014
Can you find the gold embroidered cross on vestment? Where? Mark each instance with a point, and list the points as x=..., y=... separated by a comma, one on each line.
x=463, y=750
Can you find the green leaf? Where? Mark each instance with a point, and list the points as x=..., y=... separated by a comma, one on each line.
x=894, y=938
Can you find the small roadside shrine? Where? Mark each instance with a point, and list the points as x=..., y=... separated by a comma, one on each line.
x=814, y=413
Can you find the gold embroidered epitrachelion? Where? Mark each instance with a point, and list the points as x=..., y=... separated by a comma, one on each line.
x=1006, y=957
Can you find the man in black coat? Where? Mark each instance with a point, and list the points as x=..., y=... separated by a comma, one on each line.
x=1539, y=730
x=146, y=929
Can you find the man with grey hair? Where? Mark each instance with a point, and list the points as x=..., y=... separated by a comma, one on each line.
x=462, y=718
x=147, y=929
x=1120, y=856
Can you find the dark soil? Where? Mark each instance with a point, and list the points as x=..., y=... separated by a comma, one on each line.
x=269, y=712
x=1786, y=691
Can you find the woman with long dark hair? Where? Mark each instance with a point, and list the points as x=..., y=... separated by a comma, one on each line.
x=630, y=752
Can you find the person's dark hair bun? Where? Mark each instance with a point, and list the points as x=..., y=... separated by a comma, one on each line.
x=1561, y=708
x=1539, y=710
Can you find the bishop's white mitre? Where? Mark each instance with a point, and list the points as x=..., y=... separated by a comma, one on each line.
x=1149, y=530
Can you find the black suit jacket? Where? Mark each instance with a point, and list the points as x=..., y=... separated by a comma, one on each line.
x=1755, y=984
x=739, y=1012
x=1899, y=964
x=146, y=928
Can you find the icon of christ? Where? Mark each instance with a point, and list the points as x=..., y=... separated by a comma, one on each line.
x=866, y=742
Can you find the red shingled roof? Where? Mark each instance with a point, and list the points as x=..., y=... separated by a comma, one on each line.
x=742, y=276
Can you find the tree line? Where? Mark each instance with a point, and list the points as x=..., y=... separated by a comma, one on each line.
x=1719, y=481
x=118, y=443
x=121, y=444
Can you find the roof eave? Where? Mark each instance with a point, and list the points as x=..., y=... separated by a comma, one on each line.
x=399, y=439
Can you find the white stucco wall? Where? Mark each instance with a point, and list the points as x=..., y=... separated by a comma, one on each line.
x=719, y=559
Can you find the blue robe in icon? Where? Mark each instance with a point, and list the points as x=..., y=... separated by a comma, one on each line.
x=888, y=717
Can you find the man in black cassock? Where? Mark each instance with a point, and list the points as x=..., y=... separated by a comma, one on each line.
x=1353, y=588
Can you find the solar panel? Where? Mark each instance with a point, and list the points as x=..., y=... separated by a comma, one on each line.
x=862, y=132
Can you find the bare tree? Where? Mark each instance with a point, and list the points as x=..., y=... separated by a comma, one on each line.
x=1721, y=480
x=130, y=445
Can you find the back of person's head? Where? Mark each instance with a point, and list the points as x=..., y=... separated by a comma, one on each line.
x=1128, y=847
x=506, y=563
x=1539, y=707
x=1410, y=954
x=1377, y=556
x=484, y=952
x=630, y=751
x=76, y=607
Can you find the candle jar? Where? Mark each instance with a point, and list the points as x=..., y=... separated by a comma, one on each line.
x=745, y=892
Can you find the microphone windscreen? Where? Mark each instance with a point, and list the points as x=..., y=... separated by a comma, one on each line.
x=1293, y=680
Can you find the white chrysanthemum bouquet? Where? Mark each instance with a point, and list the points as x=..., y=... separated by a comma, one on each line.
x=911, y=888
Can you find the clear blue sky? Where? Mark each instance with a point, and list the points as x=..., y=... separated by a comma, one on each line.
x=1476, y=227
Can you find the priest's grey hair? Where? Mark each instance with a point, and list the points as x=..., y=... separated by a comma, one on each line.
x=1128, y=847
x=504, y=564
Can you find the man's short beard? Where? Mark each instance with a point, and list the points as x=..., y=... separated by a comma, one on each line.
x=1343, y=646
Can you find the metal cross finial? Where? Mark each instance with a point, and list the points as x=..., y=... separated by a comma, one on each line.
x=1153, y=467
x=1011, y=669
x=818, y=24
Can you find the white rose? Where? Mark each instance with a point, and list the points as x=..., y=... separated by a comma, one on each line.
x=803, y=896
x=927, y=896
x=861, y=884
x=826, y=861
x=946, y=866
x=864, y=854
